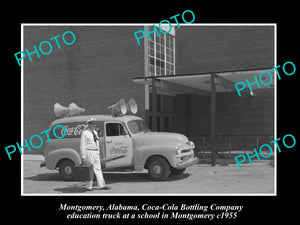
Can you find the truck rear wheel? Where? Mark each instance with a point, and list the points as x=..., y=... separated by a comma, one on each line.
x=66, y=168
x=158, y=168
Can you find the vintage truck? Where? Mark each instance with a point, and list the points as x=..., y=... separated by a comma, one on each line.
x=126, y=143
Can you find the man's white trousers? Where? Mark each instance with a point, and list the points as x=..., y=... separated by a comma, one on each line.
x=92, y=157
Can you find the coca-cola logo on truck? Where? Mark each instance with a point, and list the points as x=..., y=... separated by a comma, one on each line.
x=72, y=130
x=75, y=130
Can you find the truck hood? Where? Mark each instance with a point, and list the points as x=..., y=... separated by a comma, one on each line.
x=160, y=138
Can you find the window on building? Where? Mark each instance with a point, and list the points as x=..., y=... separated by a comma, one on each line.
x=161, y=54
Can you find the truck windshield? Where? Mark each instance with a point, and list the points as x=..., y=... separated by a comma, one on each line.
x=138, y=126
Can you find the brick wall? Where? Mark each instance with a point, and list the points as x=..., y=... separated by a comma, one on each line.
x=246, y=115
x=223, y=48
x=94, y=72
x=235, y=116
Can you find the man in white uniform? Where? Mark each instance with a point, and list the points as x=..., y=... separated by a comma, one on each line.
x=89, y=152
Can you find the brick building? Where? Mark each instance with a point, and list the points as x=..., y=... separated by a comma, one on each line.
x=229, y=48
x=94, y=72
x=105, y=64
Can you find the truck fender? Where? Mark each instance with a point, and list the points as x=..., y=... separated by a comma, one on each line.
x=62, y=153
x=144, y=153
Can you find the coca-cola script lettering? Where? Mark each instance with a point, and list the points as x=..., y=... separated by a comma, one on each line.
x=120, y=150
x=74, y=131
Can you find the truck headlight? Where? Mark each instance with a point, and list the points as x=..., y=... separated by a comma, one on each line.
x=179, y=148
x=192, y=144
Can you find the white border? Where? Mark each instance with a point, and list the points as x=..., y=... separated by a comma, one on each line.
x=149, y=24
x=275, y=110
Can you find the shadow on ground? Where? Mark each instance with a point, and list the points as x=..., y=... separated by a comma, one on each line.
x=76, y=188
x=110, y=178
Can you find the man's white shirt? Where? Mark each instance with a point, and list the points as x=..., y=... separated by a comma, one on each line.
x=87, y=142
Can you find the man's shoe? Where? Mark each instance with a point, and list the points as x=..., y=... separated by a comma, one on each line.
x=89, y=188
x=100, y=188
x=105, y=188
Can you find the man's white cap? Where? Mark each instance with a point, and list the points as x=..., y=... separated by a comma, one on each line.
x=90, y=120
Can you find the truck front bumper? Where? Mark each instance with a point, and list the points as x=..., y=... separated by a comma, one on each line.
x=188, y=163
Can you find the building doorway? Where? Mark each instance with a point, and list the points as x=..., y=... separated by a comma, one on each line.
x=166, y=113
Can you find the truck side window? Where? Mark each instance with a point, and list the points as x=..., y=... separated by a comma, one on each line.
x=115, y=129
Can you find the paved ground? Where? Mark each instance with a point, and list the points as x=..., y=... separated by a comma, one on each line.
x=199, y=179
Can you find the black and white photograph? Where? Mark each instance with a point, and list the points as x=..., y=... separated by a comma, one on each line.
x=174, y=115
x=183, y=110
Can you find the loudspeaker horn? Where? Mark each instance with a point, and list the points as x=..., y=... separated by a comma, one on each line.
x=132, y=106
x=74, y=110
x=120, y=108
x=60, y=111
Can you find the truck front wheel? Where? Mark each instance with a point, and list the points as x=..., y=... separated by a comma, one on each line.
x=158, y=168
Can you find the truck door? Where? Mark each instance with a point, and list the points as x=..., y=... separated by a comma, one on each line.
x=100, y=131
x=118, y=145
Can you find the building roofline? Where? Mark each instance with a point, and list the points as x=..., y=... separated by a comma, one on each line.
x=201, y=73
